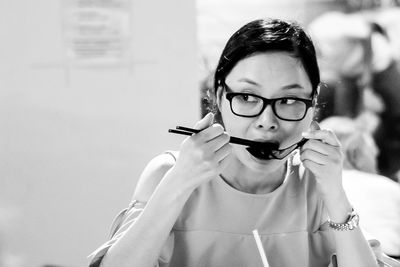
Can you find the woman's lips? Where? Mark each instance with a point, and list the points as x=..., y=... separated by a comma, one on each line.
x=264, y=151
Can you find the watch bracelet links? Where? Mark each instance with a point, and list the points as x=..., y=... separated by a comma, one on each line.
x=350, y=224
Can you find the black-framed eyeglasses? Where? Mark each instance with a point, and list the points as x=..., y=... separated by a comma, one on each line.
x=251, y=105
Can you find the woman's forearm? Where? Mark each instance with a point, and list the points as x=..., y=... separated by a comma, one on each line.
x=141, y=244
x=352, y=249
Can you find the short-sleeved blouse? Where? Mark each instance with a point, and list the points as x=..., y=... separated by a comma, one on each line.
x=216, y=224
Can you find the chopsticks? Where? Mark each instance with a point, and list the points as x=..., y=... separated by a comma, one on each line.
x=234, y=140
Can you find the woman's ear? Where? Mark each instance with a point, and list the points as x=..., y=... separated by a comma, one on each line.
x=219, y=94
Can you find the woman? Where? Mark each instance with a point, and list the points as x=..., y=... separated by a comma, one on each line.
x=199, y=206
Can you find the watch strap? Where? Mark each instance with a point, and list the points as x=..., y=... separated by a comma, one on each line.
x=351, y=223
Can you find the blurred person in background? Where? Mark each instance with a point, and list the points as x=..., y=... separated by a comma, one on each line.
x=376, y=197
x=360, y=70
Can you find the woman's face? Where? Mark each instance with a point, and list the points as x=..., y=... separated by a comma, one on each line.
x=270, y=75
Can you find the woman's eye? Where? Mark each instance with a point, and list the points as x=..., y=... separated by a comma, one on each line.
x=287, y=101
x=248, y=98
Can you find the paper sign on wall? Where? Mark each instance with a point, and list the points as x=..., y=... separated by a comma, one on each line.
x=96, y=32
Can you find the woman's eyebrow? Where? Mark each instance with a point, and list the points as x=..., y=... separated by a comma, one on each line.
x=247, y=80
x=286, y=87
x=292, y=86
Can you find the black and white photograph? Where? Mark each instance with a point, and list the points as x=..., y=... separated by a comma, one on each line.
x=200, y=133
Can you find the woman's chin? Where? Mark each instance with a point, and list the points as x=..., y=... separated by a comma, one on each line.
x=254, y=163
x=261, y=164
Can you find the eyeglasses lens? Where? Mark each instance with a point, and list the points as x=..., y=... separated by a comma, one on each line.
x=286, y=108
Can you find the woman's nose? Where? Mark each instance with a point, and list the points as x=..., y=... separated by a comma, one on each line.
x=267, y=119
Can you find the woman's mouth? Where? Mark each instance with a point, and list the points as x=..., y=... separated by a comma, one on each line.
x=270, y=150
x=263, y=151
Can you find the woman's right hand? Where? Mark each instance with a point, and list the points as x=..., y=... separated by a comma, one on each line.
x=165, y=190
x=203, y=155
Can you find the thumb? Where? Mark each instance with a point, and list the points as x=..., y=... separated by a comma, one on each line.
x=205, y=122
x=314, y=126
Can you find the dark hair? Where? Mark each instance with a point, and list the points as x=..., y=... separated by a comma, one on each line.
x=268, y=35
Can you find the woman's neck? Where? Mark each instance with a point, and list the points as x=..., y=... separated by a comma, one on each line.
x=247, y=180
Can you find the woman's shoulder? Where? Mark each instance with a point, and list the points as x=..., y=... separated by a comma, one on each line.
x=153, y=173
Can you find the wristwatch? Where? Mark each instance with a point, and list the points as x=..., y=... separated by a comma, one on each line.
x=351, y=223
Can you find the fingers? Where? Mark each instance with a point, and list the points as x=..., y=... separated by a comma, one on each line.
x=223, y=164
x=218, y=148
x=313, y=156
x=222, y=153
x=324, y=135
x=211, y=143
x=315, y=168
x=210, y=133
x=322, y=148
x=314, y=126
x=214, y=139
x=320, y=158
x=209, y=130
x=205, y=122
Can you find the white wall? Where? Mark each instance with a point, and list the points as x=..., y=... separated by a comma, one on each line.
x=74, y=140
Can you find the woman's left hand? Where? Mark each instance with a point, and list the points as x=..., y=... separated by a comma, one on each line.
x=323, y=156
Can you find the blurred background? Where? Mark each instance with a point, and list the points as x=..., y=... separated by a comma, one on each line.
x=89, y=88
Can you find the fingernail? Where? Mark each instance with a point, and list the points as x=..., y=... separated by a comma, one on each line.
x=207, y=116
x=314, y=126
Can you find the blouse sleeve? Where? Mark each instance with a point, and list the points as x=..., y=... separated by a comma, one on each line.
x=119, y=226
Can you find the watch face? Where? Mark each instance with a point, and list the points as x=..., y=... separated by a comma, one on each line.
x=352, y=223
x=354, y=220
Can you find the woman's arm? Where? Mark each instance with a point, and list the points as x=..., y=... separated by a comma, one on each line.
x=142, y=242
x=352, y=249
x=323, y=157
x=166, y=189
